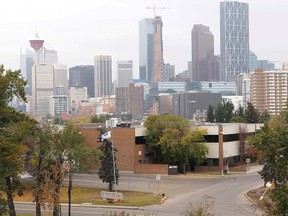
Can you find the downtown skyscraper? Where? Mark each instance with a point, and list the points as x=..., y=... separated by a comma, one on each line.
x=103, y=75
x=202, y=51
x=151, y=63
x=234, y=39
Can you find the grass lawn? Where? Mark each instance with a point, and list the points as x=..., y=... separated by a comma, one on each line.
x=93, y=196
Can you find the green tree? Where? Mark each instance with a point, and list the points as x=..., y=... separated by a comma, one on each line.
x=170, y=136
x=251, y=115
x=77, y=157
x=66, y=148
x=210, y=114
x=156, y=126
x=271, y=142
x=228, y=109
x=11, y=84
x=219, y=113
x=11, y=163
x=238, y=115
x=100, y=118
x=108, y=171
x=264, y=117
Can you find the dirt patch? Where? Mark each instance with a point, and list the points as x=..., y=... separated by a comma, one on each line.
x=255, y=195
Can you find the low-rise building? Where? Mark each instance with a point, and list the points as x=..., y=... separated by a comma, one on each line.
x=226, y=144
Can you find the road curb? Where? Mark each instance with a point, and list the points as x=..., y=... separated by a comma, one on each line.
x=90, y=205
x=251, y=200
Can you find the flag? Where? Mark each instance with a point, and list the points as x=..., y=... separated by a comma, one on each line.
x=106, y=135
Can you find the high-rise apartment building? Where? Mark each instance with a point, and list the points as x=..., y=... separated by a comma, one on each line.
x=125, y=72
x=103, y=75
x=58, y=103
x=82, y=76
x=202, y=51
x=151, y=63
x=234, y=39
x=269, y=90
x=130, y=100
x=170, y=71
x=146, y=49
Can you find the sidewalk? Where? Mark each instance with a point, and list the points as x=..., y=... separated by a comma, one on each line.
x=254, y=168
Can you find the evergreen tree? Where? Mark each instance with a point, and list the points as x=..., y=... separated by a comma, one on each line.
x=219, y=113
x=264, y=117
x=228, y=108
x=251, y=114
x=210, y=114
x=108, y=171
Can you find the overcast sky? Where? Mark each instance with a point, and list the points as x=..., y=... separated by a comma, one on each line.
x=79, y=30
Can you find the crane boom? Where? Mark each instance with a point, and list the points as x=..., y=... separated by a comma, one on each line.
x=154, y=9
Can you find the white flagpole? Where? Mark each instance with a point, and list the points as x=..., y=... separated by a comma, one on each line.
x=114, y=172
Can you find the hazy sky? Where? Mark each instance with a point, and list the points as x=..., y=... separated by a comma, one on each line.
x=79, y=30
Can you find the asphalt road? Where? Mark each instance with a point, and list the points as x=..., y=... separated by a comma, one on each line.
x=227, y=193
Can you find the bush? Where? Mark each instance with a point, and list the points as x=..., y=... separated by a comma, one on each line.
x=201, y=208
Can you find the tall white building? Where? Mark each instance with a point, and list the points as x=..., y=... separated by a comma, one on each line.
x=42, y=88
x=103, y=75
x=125, y=73
x=60, y=76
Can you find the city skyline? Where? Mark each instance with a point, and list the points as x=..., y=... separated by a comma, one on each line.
x=79, y=32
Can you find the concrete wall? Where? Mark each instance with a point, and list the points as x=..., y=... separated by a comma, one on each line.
x=213, y=150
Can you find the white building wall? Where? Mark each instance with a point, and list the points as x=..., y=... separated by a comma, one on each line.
x=231, y=149
x=42, y=88
x=213, y=150
x=125, y=72
x=60, y=76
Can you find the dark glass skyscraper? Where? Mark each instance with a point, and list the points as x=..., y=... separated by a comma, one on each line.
x=234, y=36
x=82, y=76
x=202, y=51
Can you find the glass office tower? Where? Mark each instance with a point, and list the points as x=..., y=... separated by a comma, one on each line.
x=234, y=36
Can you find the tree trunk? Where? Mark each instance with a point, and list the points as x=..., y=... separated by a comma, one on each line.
x=39, y=176
x=110, y=186
x=9, y=193
x=69, y=193
x=56, y=211
x=38, y=206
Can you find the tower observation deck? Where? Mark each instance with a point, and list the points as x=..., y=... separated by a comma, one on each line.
x=36, y=43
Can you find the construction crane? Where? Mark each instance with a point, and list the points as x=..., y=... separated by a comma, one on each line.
x=154, y=9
